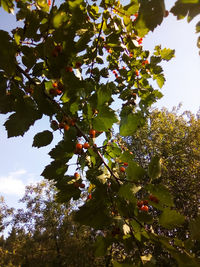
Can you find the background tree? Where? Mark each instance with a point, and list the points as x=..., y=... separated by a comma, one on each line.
x=44, y=234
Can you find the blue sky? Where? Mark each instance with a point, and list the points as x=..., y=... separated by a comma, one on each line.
x=21, y=164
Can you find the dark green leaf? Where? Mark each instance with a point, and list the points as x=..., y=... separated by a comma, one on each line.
x=42, y=139
x=171, y=218
x=154, y=168
x=134, y=172
x=194, y=228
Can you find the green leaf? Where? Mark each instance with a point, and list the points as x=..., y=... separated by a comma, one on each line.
x=160, y=79
x=105, y=119
x=129, y=124
x=145, y=217
x=132, y=8
x=183, y=8
x=165, y=53
x=7, y=53
x=128, y=191
x=7, y=5
x=154, y=168
x=42, y=139
x=100, y=246
x=55, y=170
x=194, y=228
x=18, y=123
x=59, y=19
x=171, y=218
x=94, y=214
x=134, y=172
x=150, y=16
x=103, y=95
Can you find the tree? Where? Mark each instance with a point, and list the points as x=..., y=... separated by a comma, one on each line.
x=44, y=234
x=69, y=62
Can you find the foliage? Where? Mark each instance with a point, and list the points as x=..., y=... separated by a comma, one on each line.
x=43, y=234
x=70, y=62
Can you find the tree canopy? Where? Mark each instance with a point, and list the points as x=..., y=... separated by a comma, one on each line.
x=70, y=62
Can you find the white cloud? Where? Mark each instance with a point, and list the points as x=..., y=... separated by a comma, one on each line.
x=15, y=182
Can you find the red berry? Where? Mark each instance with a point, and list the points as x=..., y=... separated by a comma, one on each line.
x=92, y=133
x=78, y=65
x=144, y=208
x=66, y=127
x=58, y=48
x=123, y=68
x=55, y=84
x=122, y=169
x=137, y=73
x=61, y=125
x=82, y=185
x=79, y=146
x=76, y=175
x=68, y=69
x=131, y=55
x=89, y=196
x=151, y=197
x=52, y=91
x=140, y=204
x=49, y=2
x=140, y=41
x=58, y=92
x=86, y=145
x=166, y=13
x=125, y=163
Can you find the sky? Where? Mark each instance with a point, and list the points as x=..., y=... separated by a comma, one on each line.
x=21, y=164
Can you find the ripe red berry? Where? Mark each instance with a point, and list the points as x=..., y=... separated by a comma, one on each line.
x=92, y=133
x=49, y=2
x=76, y=175
x=122, y=169
x=89, y=196
x=166, y=13
x=86, y=145
x=125, y=164
x=61, y=125
x=137, y=73
x=153, y=199
x=79, y=146
x=55, y=84
x=144, y=208
x=52, y=91
x=82, y=185
x=140, y=204
x=66, y=127
x=78, y=65
x=68, y=69
x=58, y=92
